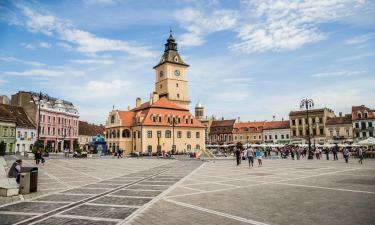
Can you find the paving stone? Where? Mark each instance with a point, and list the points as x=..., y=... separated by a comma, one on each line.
x=85, y=191
x=101, y=211
x=73, y=221
x=6, y=219
x=33, y=207
x=137, y=193
x=102, y=185
x=122, y=201
x=147, y=187
x=63, y=198
x=157, y=183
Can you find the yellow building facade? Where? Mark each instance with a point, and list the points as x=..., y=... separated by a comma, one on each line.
x=164, y=123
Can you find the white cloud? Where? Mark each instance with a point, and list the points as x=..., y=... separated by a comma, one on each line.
x=360, y=39
x=85, y=42
x=341, y=73
x=44, y=45
x=357, y=57
x=46, y=73
x=277, y=25
x=28, y=46
x=93, y=61
x=13, y=59
x=198, y=24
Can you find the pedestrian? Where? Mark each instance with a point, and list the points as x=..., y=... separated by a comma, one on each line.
x=327, y=153
x=15, y=170
x=237, y=152
x=66, y=153
x=38, y=157
x=346, y=154
x=360, y=155
x=317, y=153
x=334, y=151
x=250, y=156
x=292, y=153
x=119, y=153
x=259, y=156
x=298, y=153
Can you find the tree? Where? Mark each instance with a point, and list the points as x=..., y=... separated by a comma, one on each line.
x=3, y=147
x=76, y=146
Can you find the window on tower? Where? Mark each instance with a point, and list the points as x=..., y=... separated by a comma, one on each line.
x=176, y=84
x=178, y=95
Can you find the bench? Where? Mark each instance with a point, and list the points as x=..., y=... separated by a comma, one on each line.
x=8, y=186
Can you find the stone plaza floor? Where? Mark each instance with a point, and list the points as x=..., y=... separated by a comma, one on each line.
x=157, y=191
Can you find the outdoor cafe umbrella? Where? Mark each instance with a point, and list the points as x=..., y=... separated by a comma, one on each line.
x=368, y=142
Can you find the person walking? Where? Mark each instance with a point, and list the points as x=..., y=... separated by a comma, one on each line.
x=38, y=157
x=334, y=151
x=326, y=151
x=15, y=170
x=119, y=153
x=360, y=155
x=259, y=156
x=237, y=152
x=298, y=153
x=346, y=154
x=250, y=156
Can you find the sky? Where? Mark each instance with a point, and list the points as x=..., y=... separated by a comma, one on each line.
x=252, y=59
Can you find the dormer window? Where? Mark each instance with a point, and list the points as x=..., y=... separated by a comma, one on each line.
x=112, y=119
x=365, y=115
x=359, y=115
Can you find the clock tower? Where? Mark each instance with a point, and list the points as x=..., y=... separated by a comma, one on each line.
x=171, y=75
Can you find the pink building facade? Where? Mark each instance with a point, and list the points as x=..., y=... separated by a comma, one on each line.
x=58, y=121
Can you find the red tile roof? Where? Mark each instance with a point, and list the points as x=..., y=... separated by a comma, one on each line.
x=15, y=114
x=362, y=110
x=90, y=129
x=223, y=123
x=163, y=108
x=276, y=125
x=347, y=119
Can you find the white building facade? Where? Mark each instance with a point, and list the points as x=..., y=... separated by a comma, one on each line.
x=276, y=136
x=25, y=139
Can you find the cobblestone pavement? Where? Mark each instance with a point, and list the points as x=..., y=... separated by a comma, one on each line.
x=192, y=192
x=280, y=192
x=106, y=201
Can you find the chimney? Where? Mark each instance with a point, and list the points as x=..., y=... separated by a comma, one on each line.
x=138, y=102
x=239, y=119
x=340, y=114
x=155, y=97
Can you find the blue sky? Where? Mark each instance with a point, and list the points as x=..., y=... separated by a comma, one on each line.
x=251, y=59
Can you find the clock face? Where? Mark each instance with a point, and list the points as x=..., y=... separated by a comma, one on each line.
x=161, y=74
x=177, y=72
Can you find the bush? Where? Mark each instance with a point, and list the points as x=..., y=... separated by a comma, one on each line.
x=2, y=148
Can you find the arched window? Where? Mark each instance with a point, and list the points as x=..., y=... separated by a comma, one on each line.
x=113, y=134
x=126, y=133
x=359, y=115
x=365, y=115
x=112, y=119
x=168, y=134
x=118, y=133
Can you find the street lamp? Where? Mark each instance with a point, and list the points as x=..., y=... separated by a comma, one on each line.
x=173, y=123
x=38, y=102
x=308, y=104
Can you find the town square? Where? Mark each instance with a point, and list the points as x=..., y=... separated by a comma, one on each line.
x=187, y=112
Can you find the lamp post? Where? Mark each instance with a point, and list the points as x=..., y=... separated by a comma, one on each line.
x=38, y=102
x=173, y=144
x=308, y=104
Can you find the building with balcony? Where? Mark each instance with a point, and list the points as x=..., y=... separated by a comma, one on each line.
x=363, y=119
x=339, y=130
x=317, y=121
x=58, y=121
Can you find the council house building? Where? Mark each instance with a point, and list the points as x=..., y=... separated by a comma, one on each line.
x=164, y=123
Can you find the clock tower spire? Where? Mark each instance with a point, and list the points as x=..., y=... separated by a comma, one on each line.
x=171, y=75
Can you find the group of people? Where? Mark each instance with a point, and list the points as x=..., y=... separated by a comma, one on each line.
x=249, y=154
x=298, y=152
